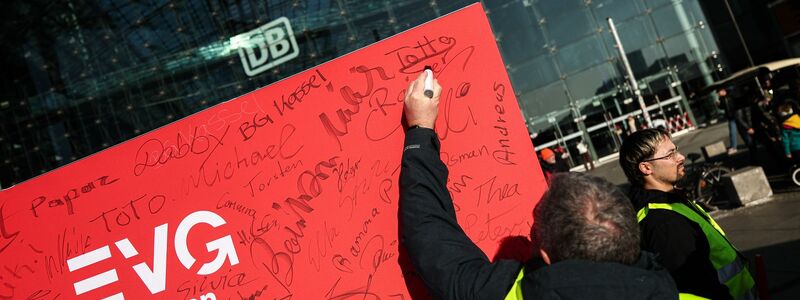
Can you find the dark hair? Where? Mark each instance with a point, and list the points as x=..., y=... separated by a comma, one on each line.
x=586, y=217
x=637, y=147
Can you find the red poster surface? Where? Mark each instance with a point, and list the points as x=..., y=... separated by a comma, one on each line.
x=286, y=192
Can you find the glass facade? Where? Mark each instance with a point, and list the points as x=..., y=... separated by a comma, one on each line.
x=80, y=76
x=570, y=81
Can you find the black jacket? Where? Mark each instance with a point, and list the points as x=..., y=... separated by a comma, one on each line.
x=549, y=169
x=578, y=279
x=763, y=122
x=728, y=105
x=680, y=244
x=743, y=118
x=453, y=267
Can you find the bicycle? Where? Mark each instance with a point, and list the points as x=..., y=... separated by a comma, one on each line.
x=701, y=182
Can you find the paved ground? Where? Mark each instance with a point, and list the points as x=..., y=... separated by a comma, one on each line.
x=770, y=227
x=772, y=230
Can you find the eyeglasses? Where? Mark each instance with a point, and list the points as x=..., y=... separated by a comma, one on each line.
x=671, y=156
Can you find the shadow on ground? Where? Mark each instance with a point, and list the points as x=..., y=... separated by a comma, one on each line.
x=782, y=265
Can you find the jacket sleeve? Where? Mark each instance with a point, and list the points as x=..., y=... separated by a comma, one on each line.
x=683, y=250
x=785, y=140
x=449, y=263
x=743, y=118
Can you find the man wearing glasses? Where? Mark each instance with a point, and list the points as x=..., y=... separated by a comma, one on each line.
x=689, y=243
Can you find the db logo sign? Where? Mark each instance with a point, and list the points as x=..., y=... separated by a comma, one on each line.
x=266, y=47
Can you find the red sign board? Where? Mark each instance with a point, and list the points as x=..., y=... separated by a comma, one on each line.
x=287, y=192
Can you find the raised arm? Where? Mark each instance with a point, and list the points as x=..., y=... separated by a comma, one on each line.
x=449, y=263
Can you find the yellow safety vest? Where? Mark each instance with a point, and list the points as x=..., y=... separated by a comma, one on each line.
x=687, y=296
x=731, y=270
x=516, y=290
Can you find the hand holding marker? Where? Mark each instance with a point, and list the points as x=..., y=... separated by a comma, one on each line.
x=428, y=82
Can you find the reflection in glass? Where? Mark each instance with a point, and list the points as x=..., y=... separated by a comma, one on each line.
x=554, y=8
x=679, y=50
x=580, y=55
x=520, y=45
x=694, y=12
x=550, y=98
x=590, y=82
x=636, y=33
x=658, y=3
x=667, y=22
x=619, y=10
x=647, y=60
x=570, y=26
x=511, y=17
x=538, y=72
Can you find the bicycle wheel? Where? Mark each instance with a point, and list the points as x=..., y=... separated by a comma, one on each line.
x=707, y=188
x=796, y=176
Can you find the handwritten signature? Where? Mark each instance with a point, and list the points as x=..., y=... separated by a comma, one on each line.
x=155, y=152
x=249, y=129
x=488, y=192
x=209, y=175
x=503, y=155
x=221, y=282
x=338, y=128
x=451, y=113
x=430, y=52
x=70, y=195
x=124, y=216
x=279, y=262
x=483, y=228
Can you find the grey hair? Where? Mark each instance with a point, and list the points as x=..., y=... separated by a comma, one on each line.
x=586, y=217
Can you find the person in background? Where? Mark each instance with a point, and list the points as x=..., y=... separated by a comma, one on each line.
x=729, y=108
x=631, y=122
x=743, y=115
x=585, y=242
x=583, y=150
x=550, y=163
x=765, y=128
x=688, y=242
x=563, y=158
x=619, y=133
x=790, y=130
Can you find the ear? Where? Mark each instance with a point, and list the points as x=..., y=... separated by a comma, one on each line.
x=544, y=256
x=645, y=168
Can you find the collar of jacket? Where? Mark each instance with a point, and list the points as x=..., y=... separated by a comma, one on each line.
x=793, y=121
x=640, y=197
x=582, y=279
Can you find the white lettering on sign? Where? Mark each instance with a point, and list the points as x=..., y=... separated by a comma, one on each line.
x=155, y=278
x=209, y=296
x=266, y=47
